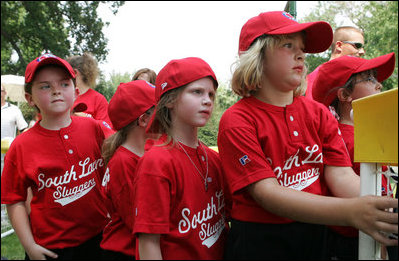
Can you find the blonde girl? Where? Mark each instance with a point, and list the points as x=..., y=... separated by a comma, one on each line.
x=281, y=151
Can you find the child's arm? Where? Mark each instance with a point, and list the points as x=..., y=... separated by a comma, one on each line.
x=19, y=219
x=149, y=246
x=342, y=181
x=365, y=213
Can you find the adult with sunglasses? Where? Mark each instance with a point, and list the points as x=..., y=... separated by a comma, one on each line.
x=347, y=40
x=340, y=82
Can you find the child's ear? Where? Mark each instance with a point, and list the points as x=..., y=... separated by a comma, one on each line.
x=144, y=119
x=169, y=105
x=76, y=92
x=343, y=96
x=29, y=99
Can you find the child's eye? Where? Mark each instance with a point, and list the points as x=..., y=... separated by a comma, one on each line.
x=65, y=84
x=288, y=45
x=212, y=96
x=197, y=91
x=43, y=87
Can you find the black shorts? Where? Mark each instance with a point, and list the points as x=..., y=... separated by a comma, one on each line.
x=113, y=255
x=247, y=240
x=340, y=247
x=89, y=250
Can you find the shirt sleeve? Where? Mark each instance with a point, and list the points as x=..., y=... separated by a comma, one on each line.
x=13, y=184
x=120, y=191
x=102, y=110
x=152, y=196
x=242, y=157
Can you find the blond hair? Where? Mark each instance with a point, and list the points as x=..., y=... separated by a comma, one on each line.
x=87, y=66
x=248, y=74
x=112, y=143
x=162, y=113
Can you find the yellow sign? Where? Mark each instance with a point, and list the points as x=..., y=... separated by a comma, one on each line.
x=376, y=128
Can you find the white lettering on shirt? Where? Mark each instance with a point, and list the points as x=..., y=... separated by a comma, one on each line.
x=64, y=194
x=209, y=233
x=302, y=179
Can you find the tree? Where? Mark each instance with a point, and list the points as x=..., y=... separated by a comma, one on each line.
x=30, y=28
x=377, y=19
x=224, y=99
x=108, y=88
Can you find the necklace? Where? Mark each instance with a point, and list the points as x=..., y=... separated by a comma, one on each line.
x=199, y=172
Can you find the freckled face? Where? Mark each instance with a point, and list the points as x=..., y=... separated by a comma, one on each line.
x=53, y=91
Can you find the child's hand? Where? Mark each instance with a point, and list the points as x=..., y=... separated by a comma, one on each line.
x=370, y=216
x=82, y=114
x=37, y=252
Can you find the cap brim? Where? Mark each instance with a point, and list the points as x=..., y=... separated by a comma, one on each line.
x=49, y=60
x=384, y=65
x=79, y=107
x=319, y=35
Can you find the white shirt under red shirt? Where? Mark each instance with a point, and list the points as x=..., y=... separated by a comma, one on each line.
x=118, y=187
x=257, y=140
x=63, y=168
x=171, y=200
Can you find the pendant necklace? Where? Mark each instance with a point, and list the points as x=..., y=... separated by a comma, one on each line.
x=199, y=172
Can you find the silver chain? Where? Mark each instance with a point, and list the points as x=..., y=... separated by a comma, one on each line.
x=199, y=172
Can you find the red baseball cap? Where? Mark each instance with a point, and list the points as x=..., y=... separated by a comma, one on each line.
x=43, y=60
x=336, y=73
x=178, y=73
x=130, y=100
x=80, y=107
x=319, y=35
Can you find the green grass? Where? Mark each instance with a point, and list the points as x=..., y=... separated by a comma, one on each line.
x=11, y=248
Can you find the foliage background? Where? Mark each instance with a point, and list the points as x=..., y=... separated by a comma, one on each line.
x=64, y=28
x=377, y=19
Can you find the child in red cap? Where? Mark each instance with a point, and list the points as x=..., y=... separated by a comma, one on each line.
x=180, y=208
x=281, y=151
x=86, y=70
x=339, y=82
x=130, y=110
x=59, y=158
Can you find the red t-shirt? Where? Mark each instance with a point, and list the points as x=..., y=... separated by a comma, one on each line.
x=118, y=187
x=292, y=144
x=63, y=168
x=171, y=200
x=348, y=134
x=148, y=144
x=310, y=78
x=97, y=105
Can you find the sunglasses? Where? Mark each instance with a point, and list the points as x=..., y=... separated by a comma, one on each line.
x=354, y=44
